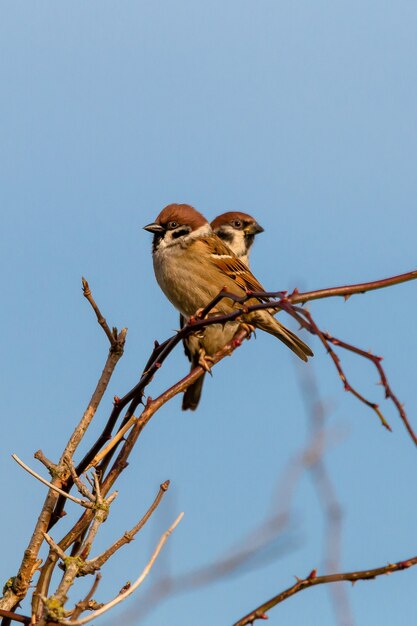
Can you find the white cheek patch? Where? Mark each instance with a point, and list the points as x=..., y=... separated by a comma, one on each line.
x=221, y=256
x=169, y=241
x=201, y=231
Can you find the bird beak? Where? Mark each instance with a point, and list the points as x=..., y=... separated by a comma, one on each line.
x=253, y=229
x=154, y=228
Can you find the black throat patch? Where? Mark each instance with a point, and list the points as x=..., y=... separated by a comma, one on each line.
x=249, y=239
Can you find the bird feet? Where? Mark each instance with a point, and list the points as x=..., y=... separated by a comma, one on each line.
x=196, y=317
x=249, y=328
x=204, y=360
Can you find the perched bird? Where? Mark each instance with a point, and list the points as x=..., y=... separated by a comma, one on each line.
x=192, y=264
x=238, y=231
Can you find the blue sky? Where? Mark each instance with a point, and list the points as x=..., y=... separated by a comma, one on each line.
x=303, y=114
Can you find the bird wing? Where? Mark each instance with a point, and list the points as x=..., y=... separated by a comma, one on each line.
x=226, y=262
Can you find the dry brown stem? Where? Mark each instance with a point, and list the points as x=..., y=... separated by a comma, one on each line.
x=131, y=588
x=30, y=471
x=312, y=580
x=30, y=561
x=85, y=604
x=111, y=335
x=349, y=290
x=129, y=535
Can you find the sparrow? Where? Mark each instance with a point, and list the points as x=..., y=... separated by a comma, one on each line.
x=238, y=231
x=192, y=265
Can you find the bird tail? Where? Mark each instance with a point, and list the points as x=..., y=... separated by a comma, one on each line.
x=192, y=394
x=272, y=326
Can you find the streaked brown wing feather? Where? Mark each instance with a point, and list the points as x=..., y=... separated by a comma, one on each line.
x=231, y=265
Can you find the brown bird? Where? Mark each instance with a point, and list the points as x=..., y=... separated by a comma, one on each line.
x=192, y=264
x=238, y=231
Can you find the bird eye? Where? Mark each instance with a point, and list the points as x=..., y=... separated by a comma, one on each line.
x=236, y=223
x=172, y=225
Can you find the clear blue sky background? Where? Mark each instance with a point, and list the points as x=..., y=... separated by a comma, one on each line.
x=301, y=113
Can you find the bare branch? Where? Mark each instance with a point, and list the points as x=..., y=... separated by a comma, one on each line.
x=83, y=489
x=376, y=360
x=51, y=467
x=115, y=440
x=122, y=596
x=55, y=547
x=112, y=359
x=349, y=290
x=129, y=535
x=84, y=605
x=312, y=326
x=313, y=580
x=305, y=319
x=15, y=617
x=111, y=336
x=83, y=503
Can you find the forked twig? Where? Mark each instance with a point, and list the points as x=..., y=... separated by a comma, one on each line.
x=63, y=493
x=131, y=588
x=376, y=360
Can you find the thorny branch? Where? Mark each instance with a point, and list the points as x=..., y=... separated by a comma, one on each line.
x=305, y=319
x=62, y=476
x=312, y=580
x=162, y=351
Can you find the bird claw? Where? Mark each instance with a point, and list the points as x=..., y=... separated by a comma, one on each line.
x=204, y=360
x=248, y=328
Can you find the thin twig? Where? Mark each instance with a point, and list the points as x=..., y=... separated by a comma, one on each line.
x=312, y=580
x=349, y=290
x=129, y=535
x=83, y=489
x=132, y=587
x=376, y=360
x=305, y=319
x=82, y=606
x=51, y=467
x=114, y=441
x=79, y=432
x=111, y=336
x=84, y=503
x=348, y=387
x=15, y=617
x=55, y=547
